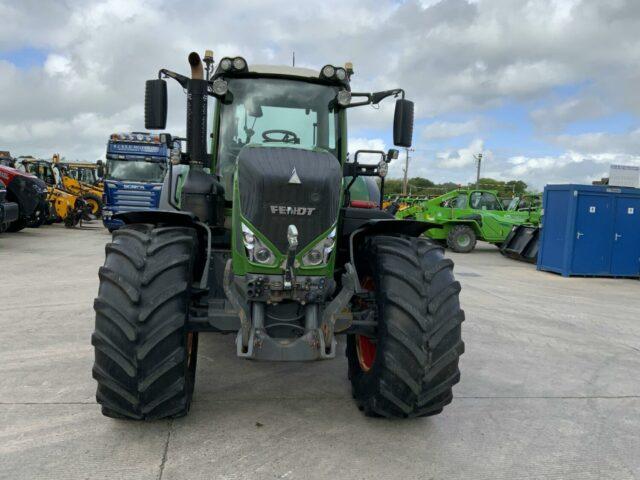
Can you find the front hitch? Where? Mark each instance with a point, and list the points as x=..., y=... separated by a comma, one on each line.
x=292, y=239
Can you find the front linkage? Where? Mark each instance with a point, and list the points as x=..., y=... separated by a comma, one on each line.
x=274, y=248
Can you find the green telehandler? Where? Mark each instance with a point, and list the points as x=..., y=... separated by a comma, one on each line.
x=264, y=241
x=464, y=216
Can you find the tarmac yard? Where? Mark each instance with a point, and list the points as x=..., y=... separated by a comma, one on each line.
x=550, y=386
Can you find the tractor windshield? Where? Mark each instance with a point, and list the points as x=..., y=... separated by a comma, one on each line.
x=275, y=112
x=135, y=171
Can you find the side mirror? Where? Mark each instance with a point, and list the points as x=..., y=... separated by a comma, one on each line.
x=100, y=171
x=155, y=104
x=403, y=123
x=392, y=154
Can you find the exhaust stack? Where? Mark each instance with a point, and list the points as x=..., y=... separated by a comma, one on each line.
x=196, y=113
x=197, y=70
x=202, y=194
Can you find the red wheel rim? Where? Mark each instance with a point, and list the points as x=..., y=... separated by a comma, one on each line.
x=366, y=352
x=365, y=347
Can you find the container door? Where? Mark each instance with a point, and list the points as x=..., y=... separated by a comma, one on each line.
x=625, y=259
x=593, y=237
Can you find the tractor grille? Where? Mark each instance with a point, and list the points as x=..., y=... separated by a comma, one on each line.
x=272, y=201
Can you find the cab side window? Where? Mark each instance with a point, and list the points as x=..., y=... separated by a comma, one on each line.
x=456, y=202
x=460, y=201
x=484, y=201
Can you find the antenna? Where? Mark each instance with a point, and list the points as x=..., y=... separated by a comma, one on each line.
x=294, y=59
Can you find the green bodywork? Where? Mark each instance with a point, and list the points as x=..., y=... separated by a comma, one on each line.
x=241, y=263
x=479, y=209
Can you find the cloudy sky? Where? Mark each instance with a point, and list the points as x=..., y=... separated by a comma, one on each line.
x=547, y=89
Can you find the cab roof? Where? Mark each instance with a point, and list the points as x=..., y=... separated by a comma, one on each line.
x=284, y=70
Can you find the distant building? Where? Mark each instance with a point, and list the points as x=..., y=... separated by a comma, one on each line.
x=624, y=176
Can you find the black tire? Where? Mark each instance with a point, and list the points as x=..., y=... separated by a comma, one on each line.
x=418, y=340
x=37, y=219
x=145, y=359
x=462, y=239
x=94, y=202
x=18, y=225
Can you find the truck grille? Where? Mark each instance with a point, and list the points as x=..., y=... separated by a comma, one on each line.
x=128, y=200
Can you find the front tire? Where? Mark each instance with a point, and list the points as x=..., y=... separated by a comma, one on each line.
x=94, y=202
x=462, y=239
x=145, y=359
x=17, y=225
x=410, y=367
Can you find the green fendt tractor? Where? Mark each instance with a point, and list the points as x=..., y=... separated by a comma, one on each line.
x=265, y=242
x=464, y=216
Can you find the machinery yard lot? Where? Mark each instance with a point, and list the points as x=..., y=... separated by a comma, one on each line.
x=550, y=386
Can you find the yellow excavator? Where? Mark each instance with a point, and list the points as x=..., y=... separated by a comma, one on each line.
x=63, y=206
x=90, y=193
x=85, y=172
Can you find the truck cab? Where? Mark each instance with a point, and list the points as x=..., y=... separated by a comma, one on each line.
x=135, y=170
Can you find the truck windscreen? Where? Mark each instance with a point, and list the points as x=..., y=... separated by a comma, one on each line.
x=136, y=171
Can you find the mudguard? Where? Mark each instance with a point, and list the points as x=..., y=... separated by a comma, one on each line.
x=169, y=217
x=176, y=218
x=359, y=224
x=384, y=226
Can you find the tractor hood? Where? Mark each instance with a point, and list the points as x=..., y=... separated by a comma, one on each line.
x=282, y=186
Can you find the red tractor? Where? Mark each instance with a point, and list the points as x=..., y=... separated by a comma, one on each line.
x=30, y=195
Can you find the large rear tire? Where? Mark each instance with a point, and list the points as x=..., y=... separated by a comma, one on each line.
x=145, y=359
x=410, y=367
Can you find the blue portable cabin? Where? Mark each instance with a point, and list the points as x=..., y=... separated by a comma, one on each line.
x=135, y=169
x=590, y=230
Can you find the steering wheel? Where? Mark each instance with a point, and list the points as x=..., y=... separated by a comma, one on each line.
x=287, y=136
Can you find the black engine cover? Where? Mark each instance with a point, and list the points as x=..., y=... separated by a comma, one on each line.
x=272, y=197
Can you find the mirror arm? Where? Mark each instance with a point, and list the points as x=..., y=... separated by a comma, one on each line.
x=184, y=83
x=181, y=79
x=375, y=97
x=355, y=159
x=347, y=191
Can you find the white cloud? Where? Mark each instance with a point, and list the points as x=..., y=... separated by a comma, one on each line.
x=57, y=65
x=558, y=115
x=602, y=142
x=569, y=167
x=451, y=56
x=463, y=157
x=443, y=130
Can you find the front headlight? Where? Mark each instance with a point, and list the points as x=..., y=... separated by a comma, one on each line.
x=225, y=64
x=383, y=168
x=220, y=87
x=257, y=251
x=321, y=251
x=344, y=97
